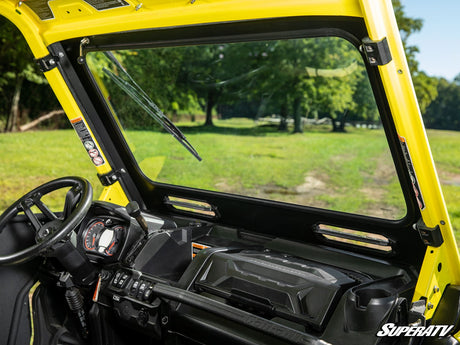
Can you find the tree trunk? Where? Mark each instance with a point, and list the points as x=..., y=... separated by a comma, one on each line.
x=342, y=121
x=340, y=127
x=283, y=120
x=297, y=117
x=334, y=123
x=262, y=105
x=209, y=106
x=13, y=118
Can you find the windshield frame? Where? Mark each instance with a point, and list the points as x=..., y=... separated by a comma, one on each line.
x=153, y=193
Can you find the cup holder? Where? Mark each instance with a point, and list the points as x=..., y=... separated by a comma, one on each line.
x=364, y=296
x=367, y=306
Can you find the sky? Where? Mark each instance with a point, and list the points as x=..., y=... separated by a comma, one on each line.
x=439, y=39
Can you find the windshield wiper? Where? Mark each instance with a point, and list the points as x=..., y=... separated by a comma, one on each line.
x=143, y=100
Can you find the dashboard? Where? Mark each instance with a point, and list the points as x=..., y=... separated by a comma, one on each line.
x=103, y=235
x=108, y=233
x=197, y=272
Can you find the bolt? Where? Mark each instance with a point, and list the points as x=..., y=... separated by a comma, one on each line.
x=164, y=320
x=372, y=60
x=429, y=306
x=61, y=54
x=400, y=71
x=435, y=289
x=443, y=222
x=46, y=232
x=139, y=6
x=52, y=62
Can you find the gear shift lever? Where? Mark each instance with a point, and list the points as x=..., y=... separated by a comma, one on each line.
x=134, y=211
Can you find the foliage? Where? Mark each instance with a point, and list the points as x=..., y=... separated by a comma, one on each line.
x=425, y=86
x=219, y=79
x=320, y=76
x=444, y=111
x=18, y=72
x=407, y=26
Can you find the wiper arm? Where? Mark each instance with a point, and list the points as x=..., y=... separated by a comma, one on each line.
x=138, y=95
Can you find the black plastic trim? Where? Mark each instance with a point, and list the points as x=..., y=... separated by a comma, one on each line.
x=430, y=236
x=377, y=52
x=448, y=310
x=47, y=63
x=236, y=315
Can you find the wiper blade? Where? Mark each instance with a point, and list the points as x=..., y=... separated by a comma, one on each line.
x=138, y=95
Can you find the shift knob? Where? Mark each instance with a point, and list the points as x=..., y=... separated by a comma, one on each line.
x=134, y=211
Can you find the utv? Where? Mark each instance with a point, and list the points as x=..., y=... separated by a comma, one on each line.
x=232, y=232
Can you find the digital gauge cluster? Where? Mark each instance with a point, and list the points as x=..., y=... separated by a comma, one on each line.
x=103, y=236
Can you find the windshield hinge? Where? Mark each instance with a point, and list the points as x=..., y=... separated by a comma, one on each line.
x=377, y=52
x=111, y=177
x=430, y=236
x=47, y=63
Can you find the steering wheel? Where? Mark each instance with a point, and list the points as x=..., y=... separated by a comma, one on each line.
x=77, y=202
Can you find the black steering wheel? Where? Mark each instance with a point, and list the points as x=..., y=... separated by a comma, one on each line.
x=53, y=229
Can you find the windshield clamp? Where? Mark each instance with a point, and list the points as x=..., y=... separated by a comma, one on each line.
x=430, y=236
x=377, y=52
x=111, y=177
x=47, y=63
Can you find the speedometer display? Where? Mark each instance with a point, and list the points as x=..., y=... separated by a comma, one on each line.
x=92, y=234
x=102, y=237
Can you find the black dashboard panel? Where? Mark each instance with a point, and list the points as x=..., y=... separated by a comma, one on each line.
x=184, y=272
x=107, y=233
x=275, y=285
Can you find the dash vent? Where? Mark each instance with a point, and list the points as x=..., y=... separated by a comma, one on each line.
x=354, y=237
x=192, y=206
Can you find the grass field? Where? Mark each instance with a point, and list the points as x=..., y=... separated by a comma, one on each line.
x=29, y=159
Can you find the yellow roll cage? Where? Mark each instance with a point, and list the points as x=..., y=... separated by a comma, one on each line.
x=77, y=18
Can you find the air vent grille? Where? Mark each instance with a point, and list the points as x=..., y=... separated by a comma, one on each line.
x=190, y=205
x=354, y=237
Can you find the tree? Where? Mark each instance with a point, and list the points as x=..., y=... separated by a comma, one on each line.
x=295, y=77
x=407, y=26
x=321, y=76
x=290, y=78
x=425, y=86
x=200, y=73
x=444, y=111
x=222, y=73
x=17, y=66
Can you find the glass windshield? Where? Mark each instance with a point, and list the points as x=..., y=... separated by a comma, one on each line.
x=290, y=120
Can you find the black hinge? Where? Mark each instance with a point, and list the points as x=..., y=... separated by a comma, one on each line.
x=377, y=52
x=430, y=236
x=47, y=63
x=111, y=177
